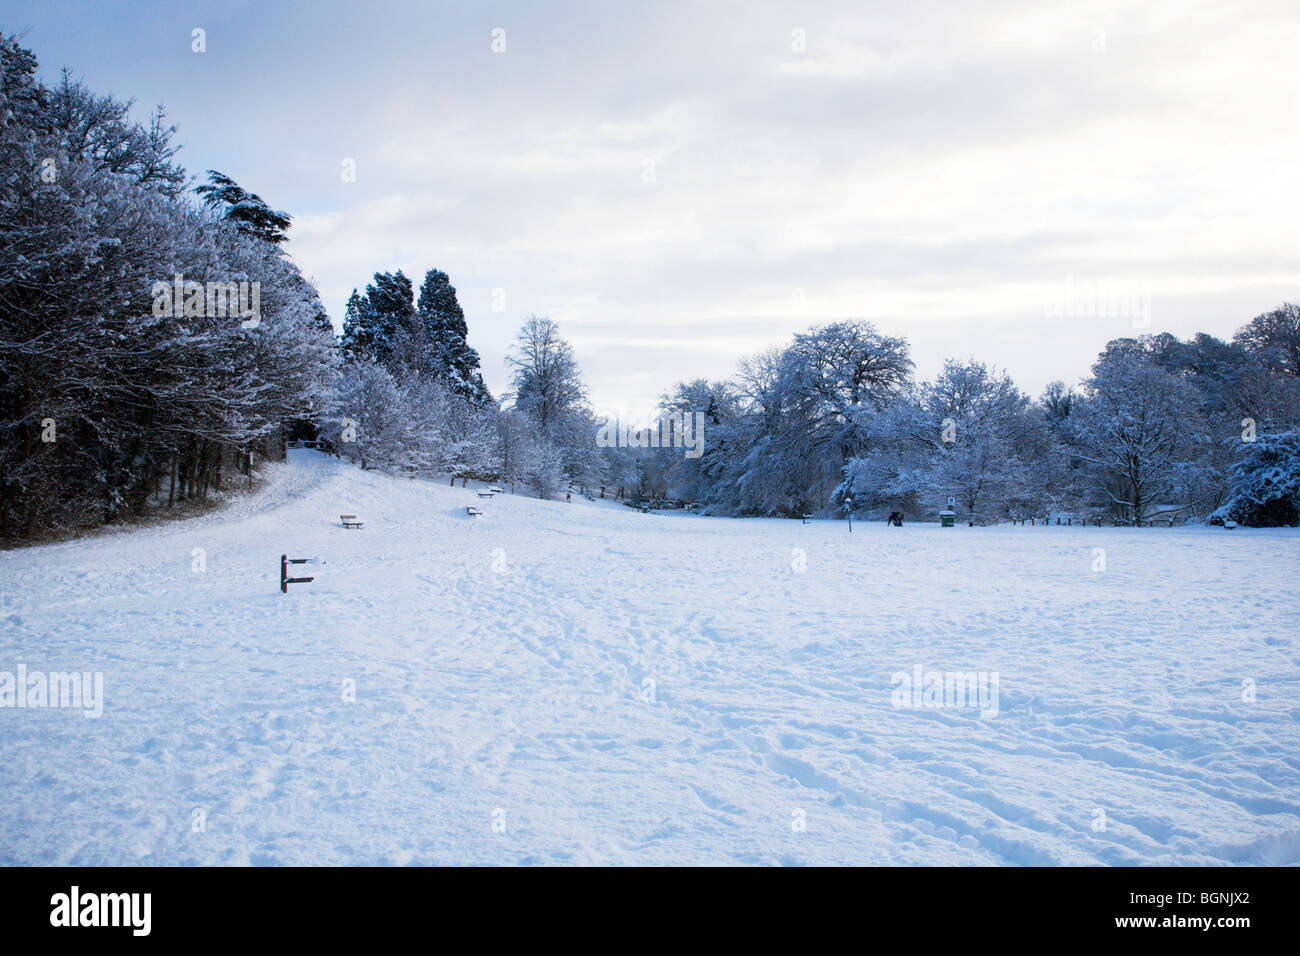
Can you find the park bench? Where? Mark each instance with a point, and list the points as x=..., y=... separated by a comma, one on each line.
x=496, y=491
x=804, y=519
x=473, y=512
x=486, y=494
x=350, y=521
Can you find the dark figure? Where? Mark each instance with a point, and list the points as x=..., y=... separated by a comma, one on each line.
x=896, y=518
x=568, y=497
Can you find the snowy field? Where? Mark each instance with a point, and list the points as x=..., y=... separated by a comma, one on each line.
x=580, y=683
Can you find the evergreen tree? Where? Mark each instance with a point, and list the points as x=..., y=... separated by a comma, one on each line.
x=249, y=213
x=1265, y=482
x=377, y=324
x=448, y=354
x=356, y=339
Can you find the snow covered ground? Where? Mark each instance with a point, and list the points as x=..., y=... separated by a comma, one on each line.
x=580, y=683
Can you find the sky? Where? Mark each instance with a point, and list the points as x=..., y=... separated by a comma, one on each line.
x=680, y=185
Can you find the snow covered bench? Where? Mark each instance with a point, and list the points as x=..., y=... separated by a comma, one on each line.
x=486, y=494
x=472, y=511
x=804, y=519
x=496, y=491
x=350, y=521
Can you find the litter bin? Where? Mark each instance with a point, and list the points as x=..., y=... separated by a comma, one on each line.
x=946, y=518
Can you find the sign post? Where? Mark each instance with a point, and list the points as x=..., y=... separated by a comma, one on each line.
x=285, y=580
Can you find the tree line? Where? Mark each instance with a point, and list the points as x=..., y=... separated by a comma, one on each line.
x=1200, y=429
x=109, y=405
x=112, y=407
x=410, y=396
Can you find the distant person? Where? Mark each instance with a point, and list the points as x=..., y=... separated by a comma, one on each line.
x=896, y=519
x=568, y=497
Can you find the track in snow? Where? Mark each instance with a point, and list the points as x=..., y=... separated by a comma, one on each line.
x=611, y=687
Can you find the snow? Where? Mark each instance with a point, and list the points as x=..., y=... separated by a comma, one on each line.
x=504, y=712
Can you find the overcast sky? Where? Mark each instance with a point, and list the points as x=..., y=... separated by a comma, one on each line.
x=680, y=185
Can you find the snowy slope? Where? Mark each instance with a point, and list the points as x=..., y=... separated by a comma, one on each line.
x=504, y=711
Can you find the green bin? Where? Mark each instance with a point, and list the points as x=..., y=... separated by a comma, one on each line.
x=946, y=518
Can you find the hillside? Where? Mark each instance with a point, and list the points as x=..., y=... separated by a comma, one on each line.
x=611, y=687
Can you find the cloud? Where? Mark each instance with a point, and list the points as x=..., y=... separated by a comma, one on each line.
x=679, y=186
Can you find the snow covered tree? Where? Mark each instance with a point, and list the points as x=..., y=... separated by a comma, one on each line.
x=103, y=394
x=452, y=423
x=1275, y=336
x=370, y=420
x=621, y=471
x=99, y=129
x=1135, y=425
x=551, y=397
x=249, y=213
x=547, y=381
x=718, y=406
x=543, y=469
x=1235, y=385
x=808, y=409
x=512, y=439
x=896, y=472
x=376, y=324
x=985, y=425
x=1057, y=401
x=443, y=338
x=834, y=378
x=1265, y=482
x=969, y=434
x=471, y=437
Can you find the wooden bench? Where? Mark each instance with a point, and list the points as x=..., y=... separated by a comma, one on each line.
x=486, y=494
x=804, y=519
x=472, y=511
x=496, y=491
x=350, y=521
